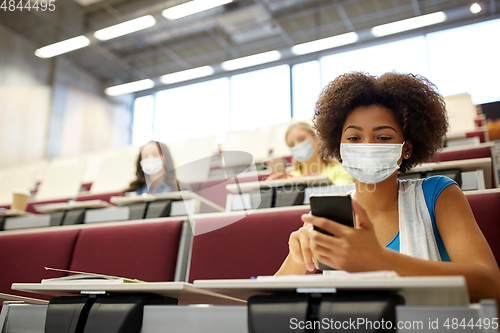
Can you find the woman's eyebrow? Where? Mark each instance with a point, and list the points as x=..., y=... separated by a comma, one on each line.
x=384, y=127
x=378, y=128
x=355, y=127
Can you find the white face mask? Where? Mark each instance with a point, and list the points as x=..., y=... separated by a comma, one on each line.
x=370, y=163
x=303, y=151
x=151, y=166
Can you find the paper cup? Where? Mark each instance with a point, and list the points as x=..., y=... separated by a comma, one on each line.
x=20, y=200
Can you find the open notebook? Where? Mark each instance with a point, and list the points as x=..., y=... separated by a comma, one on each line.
x=87, y=278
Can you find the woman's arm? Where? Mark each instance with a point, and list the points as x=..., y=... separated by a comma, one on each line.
x=357, y=249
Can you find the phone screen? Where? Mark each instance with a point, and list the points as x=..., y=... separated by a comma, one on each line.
x=337, y=208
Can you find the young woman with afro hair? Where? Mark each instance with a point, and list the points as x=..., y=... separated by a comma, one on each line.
x=377, y=126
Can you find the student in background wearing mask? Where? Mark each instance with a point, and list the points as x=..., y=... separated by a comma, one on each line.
x=307, y=161
x=377, y=126
x=155, y=170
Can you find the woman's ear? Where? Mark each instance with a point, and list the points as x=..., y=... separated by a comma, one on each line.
x=407, y=149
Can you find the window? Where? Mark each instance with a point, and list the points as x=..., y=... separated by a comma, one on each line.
x=459, y=60
x=404, y=56
x=260, y=98
x=142, y=128
x=306, y=87
x=465, y=60
x=192, y=111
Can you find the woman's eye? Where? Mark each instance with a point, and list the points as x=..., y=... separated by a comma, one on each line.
x=352, y=139
x=384, y=138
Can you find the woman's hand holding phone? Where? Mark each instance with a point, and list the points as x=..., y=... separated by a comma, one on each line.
x=352, y=249
x=299, y=247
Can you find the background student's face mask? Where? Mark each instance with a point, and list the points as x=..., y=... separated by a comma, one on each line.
x=303, y=151
x=370, y=163
x=151, y=166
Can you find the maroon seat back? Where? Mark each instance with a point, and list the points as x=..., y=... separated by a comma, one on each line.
x=480, y=134
x=146, y=251
x=467, y=154
x=486, y=208
x=86, y=187
x=480, y=122
x=255, y=245
x=24, y=256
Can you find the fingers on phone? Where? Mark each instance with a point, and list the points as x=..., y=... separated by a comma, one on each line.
x=332, y=227
x=299, y=248
x=306, y=251
x=295, y=251
x=315, y=261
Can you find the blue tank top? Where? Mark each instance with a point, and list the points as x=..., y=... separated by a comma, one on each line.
x=432, y=188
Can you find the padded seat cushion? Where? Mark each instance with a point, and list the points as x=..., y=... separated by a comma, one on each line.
x=255, y=245
x=25, y=255
x=146, y=251
x=486, y=209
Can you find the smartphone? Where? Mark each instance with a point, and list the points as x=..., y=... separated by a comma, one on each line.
x=335, y=207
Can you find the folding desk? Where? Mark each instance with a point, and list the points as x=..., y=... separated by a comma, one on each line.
x=274, y=193
x=431, y=301
x=483, y=164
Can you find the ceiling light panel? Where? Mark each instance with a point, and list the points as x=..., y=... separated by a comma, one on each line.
x=192, y=7
x=408, y=24
x=65, y=46
x=125, y=28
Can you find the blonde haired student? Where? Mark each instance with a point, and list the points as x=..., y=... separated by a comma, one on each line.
x=307, y=161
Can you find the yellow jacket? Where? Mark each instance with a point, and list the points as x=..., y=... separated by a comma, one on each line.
x=335, y=172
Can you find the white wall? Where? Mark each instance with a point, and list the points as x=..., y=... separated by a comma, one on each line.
x=50, y=107
x=24, y=114
x=91, y=123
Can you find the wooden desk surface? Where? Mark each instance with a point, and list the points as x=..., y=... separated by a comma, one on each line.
x=186, y=293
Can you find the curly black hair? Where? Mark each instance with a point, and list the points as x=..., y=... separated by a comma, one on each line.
x=416, y=103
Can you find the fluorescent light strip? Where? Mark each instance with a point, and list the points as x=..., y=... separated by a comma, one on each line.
x=408, y=24
x=325, y=43
x=192, y=7
x=252, y=60
x=129, y=87
x=189, y=74
x=125, y=28
x=65, y=46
